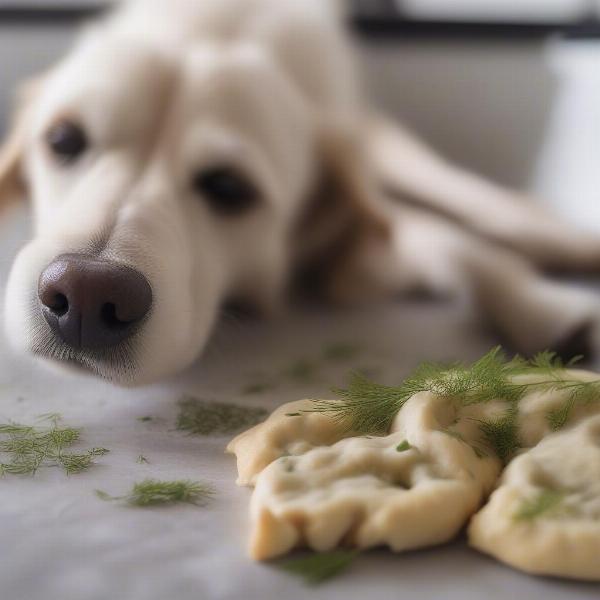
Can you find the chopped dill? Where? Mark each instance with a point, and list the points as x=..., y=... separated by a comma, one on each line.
x=317, y=568
x=205, y=417
x=152, y=492
x=340, y=351
x=546, y=502
x=403, y=446
x=259, y=387
x=368, y=407
x=30, y=447
x=302, y=370
x=141, y=459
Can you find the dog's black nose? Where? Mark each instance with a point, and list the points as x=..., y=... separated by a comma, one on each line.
x=92, y=303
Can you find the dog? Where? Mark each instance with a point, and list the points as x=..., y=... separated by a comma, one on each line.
x=185, y=154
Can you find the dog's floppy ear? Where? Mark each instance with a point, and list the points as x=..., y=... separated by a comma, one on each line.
x=12, y=186
x=346, y=222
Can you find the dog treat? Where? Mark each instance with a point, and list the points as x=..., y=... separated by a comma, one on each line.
x=321, y=484
x=544, y=518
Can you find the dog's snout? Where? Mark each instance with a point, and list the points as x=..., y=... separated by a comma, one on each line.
x=93, y=303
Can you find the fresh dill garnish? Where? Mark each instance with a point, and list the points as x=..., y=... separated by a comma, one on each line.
x=368, y=407
x=502, y=434
x=31, y=447
x=152, y=492
x=205, y=417
x=403, y=446
x=546, y=502
x=339, y=351
x=141, y=459
x=317, y=568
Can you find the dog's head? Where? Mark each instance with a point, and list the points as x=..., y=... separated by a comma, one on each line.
x=162, y=183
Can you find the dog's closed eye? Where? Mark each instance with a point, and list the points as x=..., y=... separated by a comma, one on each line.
x=228, y=191
x=67, y=141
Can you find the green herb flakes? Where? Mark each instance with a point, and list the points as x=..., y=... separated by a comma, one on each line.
x=544, y=503
x=203, y=417
x=340, y=351
x=26, y=448
x=317, y=568
x=403, y=446
x=152, y=492
x=302, y=370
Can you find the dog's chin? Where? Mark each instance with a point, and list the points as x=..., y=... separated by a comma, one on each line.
x=117, y=364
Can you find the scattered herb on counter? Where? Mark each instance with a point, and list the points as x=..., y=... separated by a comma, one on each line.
x=257, y=388
x=317, y=568
x=145, y=419
x=141, y=459
x=152, y=492
x=29, y=447
x=340, y=351
x=205, y=417
x=302, y=370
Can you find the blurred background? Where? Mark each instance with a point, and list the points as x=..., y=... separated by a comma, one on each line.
x=510, y=88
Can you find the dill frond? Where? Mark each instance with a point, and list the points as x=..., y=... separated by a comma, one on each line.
x=141, y=459
x=546, y=502
x=317, y=568
x=203, y=417
x=29, y=448
x=152, y=492
x=368, y=407
x=502, y=435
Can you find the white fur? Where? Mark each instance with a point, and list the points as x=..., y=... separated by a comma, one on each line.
x=165, y=87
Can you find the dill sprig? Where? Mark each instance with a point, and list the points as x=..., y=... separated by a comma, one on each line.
x=152, y=492
x=317, y=568
x=28, y=447
x=369, y=408
x=205, y=417
x=544, y=503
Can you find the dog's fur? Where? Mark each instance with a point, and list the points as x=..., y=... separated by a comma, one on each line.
x=165, y=88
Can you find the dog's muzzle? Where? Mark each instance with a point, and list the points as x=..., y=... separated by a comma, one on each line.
x=91, y=303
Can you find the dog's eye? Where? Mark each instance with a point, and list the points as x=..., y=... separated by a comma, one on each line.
x=228, y=191
x=67, y=141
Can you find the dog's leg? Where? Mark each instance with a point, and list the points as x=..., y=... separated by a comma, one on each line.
x=408, y=167
x=431, y=254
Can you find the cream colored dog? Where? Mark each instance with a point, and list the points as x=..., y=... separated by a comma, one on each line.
x=186, y=153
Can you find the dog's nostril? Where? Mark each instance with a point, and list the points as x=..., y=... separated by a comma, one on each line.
x=108, y=315
x=58, y=304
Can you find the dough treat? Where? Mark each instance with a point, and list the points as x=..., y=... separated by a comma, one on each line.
x=544, y=518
